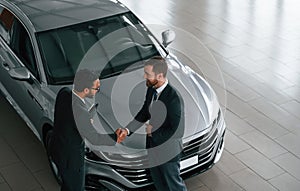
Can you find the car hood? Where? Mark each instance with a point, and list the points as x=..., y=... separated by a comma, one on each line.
x=122, y=96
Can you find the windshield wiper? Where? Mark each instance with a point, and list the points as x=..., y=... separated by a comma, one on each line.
x=110, y=75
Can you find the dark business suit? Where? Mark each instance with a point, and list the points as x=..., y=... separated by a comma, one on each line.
x=68, y=145
x=86, y=128
x=165, y=145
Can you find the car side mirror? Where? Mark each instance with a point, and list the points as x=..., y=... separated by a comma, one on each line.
x=19, y=73
x=168, y=37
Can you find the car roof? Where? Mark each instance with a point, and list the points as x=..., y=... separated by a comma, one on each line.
x=50, y=14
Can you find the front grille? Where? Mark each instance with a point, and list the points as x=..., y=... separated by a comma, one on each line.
x=136, y=176
x=201, y=146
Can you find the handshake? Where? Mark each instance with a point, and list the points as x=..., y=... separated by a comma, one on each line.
x=121, y=134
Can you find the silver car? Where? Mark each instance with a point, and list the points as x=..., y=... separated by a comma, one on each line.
x=42, y=45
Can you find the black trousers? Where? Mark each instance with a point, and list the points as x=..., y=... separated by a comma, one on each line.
x=73, y=179
x=166, y=177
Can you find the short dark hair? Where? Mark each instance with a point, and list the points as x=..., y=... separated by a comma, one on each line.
x=159, y=65
x=84, y=79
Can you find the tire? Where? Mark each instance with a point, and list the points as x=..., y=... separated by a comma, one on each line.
x=53, y=166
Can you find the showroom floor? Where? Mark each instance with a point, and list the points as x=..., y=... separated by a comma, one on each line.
x=249, y=52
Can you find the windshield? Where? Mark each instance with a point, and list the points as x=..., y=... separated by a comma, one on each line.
x=115, y=43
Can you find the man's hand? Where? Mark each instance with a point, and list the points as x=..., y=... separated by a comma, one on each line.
x=149, y=130
x=121, y=134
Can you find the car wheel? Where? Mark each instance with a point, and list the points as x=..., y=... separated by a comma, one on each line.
x=53, y=166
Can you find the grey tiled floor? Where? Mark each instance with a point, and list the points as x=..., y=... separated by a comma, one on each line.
x=256, y=45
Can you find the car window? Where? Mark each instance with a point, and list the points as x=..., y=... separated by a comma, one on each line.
x=21, y=45
x=121, y=41
x=6, y=21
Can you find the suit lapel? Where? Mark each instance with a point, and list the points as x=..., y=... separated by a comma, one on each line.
x=164, y=94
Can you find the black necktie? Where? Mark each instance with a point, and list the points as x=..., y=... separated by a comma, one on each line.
x=154, y=95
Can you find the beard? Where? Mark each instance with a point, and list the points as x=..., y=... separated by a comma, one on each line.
x=151, y=83
x=90, y=95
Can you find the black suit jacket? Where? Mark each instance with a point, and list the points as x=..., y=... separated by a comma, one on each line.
x=166, y=115
x=71, y=123
x=68, y=146
x=86, y=128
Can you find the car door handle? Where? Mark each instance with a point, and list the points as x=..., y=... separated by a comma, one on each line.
x=5, y=66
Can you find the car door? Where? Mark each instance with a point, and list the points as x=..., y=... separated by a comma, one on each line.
x=19, y=53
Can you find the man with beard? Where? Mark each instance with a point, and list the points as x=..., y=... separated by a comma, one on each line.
x=72, y=125
x=163, y=107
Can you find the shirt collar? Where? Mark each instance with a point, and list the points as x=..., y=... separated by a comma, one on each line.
x=161, y=88
x=78, y=96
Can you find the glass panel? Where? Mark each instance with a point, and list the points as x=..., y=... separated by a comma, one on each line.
x=6, y=21
x=120, y=42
